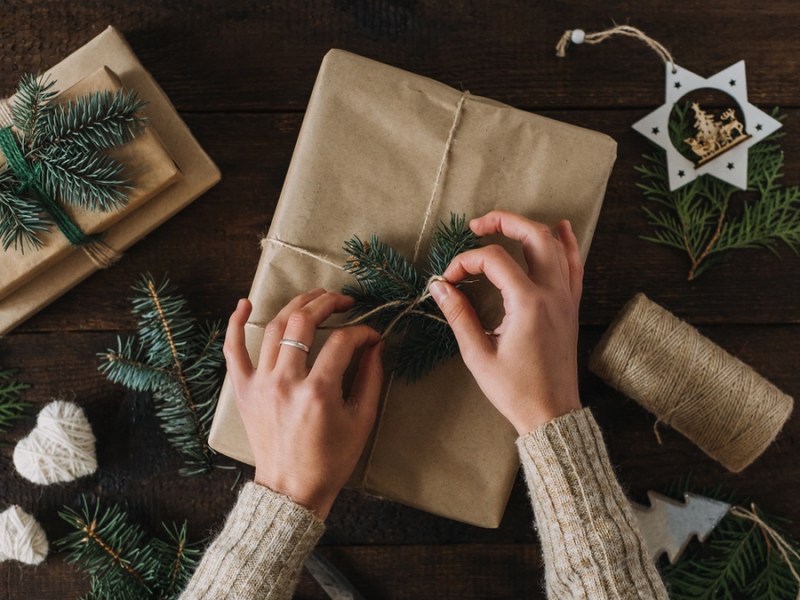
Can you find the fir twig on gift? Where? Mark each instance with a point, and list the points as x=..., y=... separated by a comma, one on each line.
x=176, y=359
x=55, y=158
x=392, y=295
x=698, y=217
x=122, y=560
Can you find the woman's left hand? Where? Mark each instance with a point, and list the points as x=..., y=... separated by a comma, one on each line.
x=306, y=437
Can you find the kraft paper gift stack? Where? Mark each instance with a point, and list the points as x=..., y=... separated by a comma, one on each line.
x=385, y=151
x=165, y=165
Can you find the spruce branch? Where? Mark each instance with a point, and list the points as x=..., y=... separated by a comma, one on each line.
x=391, y=295
x=61, y=148
x=97, y=121
x=90, y=179
x=111, y=549
x=697, y=219
x=32, y=104
x=21, y=220
x=177, y=360
x=740, y=559
x=122, y=560
x=12, y=406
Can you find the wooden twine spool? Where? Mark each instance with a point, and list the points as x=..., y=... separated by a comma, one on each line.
x=690, y=383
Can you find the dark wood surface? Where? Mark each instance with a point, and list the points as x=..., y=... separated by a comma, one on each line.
x=240, y=72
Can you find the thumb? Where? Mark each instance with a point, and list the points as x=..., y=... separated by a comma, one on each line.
x=461, y=316
x=366, y=389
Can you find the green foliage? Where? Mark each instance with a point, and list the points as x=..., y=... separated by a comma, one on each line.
x=122, y=561
x=176, y=359
x=738, y=561
x=390, y=292
x=12, y=406
x=698, y=218
x=63, y=147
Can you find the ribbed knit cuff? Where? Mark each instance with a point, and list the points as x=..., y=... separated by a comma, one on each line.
x=260, y=551
x=590, y=539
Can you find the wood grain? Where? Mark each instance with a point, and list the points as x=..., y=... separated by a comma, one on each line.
x=241, y=72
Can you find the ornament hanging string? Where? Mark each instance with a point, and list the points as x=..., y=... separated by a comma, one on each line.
x=789, y=554
x=579, y=36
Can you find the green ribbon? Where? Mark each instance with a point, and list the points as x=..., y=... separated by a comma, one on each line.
x=28, y=177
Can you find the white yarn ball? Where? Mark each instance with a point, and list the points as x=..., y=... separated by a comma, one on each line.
x=60, y=448
x=21, y=537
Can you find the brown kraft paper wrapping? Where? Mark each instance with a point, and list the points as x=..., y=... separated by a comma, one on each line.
x=386, y=151
x=198, y=173
x=149, y=170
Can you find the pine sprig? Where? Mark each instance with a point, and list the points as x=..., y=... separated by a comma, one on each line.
x=122, y=561
x=739, y=560
x=12, y=406
x=64, y=145
x=177, y=360
x=32, y=104
x=390, y=292
x=97, y=121
x=697, y=218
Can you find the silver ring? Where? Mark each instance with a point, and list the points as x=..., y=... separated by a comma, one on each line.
x=294, y=344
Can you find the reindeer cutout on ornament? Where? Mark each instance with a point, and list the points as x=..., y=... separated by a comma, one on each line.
x=714, y=137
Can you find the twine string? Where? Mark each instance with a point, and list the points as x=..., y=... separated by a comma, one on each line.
x=785, y=548
x=577, y=36
x=29, y=178
x=412, y=304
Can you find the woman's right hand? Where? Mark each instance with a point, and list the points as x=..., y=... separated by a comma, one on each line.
x=528, y=369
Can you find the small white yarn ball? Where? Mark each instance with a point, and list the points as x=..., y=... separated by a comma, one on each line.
x=21, y=537
x=577, y=36
x=60, y=448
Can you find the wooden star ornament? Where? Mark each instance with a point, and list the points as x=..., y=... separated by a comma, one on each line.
x=721, y=145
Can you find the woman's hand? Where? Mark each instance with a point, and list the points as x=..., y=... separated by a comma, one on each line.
x=305, y=435
x=528, y=369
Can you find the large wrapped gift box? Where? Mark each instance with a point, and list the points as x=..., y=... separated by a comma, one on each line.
x=166, y=167
x=385, y=151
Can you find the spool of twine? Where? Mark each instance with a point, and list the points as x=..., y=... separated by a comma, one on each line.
x=688, y=382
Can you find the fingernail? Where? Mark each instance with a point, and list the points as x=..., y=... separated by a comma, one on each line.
x=439, y=291
x=240, y=303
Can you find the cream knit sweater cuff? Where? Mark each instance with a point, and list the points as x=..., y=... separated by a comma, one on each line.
x=260, y=551
x=590, y=539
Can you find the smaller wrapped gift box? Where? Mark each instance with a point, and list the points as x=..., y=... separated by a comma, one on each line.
x=385, y=151
x=165, y=165
x=148, y=168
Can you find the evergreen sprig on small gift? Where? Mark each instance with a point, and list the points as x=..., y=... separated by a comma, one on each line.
x=700, y=219
x=123, y=562
x=55, y=157
x=12, y=406
x=391, y=294
x=176, y=359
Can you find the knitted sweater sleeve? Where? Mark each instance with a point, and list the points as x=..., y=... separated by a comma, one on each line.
x=590, y=539
x=259, y=552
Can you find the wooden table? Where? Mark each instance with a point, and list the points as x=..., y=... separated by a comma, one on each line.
x=240, y=72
